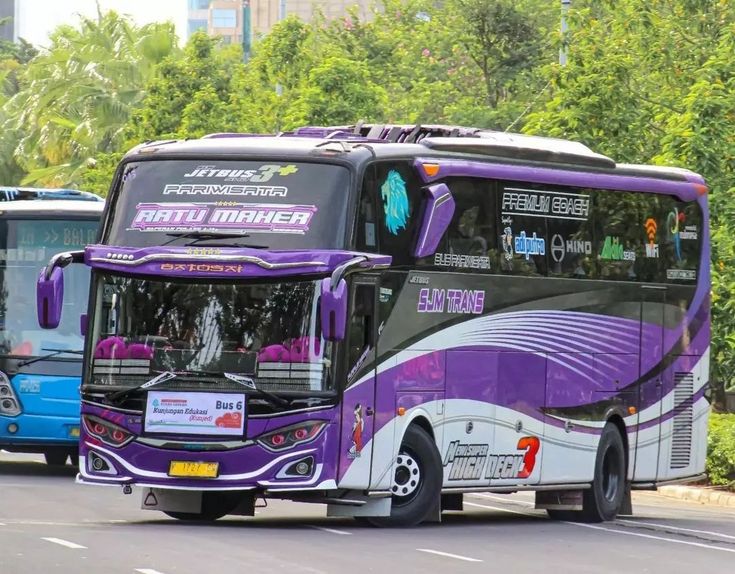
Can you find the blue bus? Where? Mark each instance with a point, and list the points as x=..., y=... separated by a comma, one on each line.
x=40, y=369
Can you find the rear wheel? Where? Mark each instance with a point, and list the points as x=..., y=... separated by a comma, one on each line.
x=603, y=501
x=55, y=457
x=215, y=505
x=417, y=481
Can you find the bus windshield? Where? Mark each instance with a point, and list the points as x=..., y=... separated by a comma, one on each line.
x=267, y=332
x=25, y=246
x=272, y=205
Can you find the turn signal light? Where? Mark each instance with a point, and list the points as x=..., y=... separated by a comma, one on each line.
x=430, y=169
x=292, y=435
x=106, y=431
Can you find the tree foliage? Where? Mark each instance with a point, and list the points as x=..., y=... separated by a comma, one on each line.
x=647, y=81
x=76, y=97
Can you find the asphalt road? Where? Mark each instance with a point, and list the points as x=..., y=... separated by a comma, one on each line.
x=48, y=524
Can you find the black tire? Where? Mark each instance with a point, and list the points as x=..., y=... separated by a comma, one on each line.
x=602, y=502
x=56, y=457
x=412, y=503
x=215, y=505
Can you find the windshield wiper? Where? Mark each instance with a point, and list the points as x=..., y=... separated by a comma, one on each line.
x=202, y=235
x=275, y=400
x=52, y=354
x=157, y=380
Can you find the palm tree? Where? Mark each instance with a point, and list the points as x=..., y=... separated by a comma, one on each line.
x=77, y=96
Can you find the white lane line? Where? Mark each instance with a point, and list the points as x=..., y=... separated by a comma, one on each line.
x=625, y=533
x=330, y=530
x=650, y=536
x=506, y=499
x=678, y=528
x=62, y=542
x=3, y=524
x=147, y=571
x=448, y=555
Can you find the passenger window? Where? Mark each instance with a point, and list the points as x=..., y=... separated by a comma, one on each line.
x=618, y=238
x=569, y=251
x=471, y=240
x=390, y=209
x=680, y=239
x=522, y=229
x=651, y=226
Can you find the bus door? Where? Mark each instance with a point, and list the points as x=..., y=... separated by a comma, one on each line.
x=358, y=404
x=650, y=395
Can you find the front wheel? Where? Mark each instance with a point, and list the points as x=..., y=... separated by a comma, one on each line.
x=215, y=505
x=417, y=481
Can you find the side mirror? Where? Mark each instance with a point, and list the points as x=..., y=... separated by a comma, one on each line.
x=50, y=298
x=438, y=212
x=83, y=323
x=334, y=309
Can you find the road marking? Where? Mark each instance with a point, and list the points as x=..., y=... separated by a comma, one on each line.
x=147, y=571
x=508, y=500
x=330, y=530
x=448, y=555
x=679, y=528
x=3, y=524
x=650, y=536
x=639, y=534
x=66, y=543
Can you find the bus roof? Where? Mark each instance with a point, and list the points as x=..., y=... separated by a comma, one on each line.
x=362, y=141
x=45, y=194
x=59, y=207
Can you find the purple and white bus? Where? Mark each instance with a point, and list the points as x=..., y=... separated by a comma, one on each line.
x=382, y=318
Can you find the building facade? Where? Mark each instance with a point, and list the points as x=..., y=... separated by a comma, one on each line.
x=229, y=18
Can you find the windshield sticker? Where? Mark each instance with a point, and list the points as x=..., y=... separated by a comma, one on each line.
x=216, y=189
x=553, y=204
x=246, y=217
x=395, y=202
x=262, y=174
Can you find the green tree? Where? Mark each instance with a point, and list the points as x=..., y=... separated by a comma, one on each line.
x=187, y=95
x=76, y=97
x=653, y=81
x=337, y=91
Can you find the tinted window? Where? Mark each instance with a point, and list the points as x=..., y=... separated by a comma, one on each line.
x=471, y=240
x=390, y=208
x=618, y=237
x=276, y=205
x=523, y=234
x=680, y=229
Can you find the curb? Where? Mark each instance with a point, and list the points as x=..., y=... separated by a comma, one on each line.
x=701, y=495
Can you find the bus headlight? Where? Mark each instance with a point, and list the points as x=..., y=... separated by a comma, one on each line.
x=106, y=431
x=9, y=403
x=287, y=437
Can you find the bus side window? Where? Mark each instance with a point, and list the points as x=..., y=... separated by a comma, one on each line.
x=679, y=236
x=472, y=232
x=619, y=233
x=366, y=232
x=522, y=233
x=389, y=211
